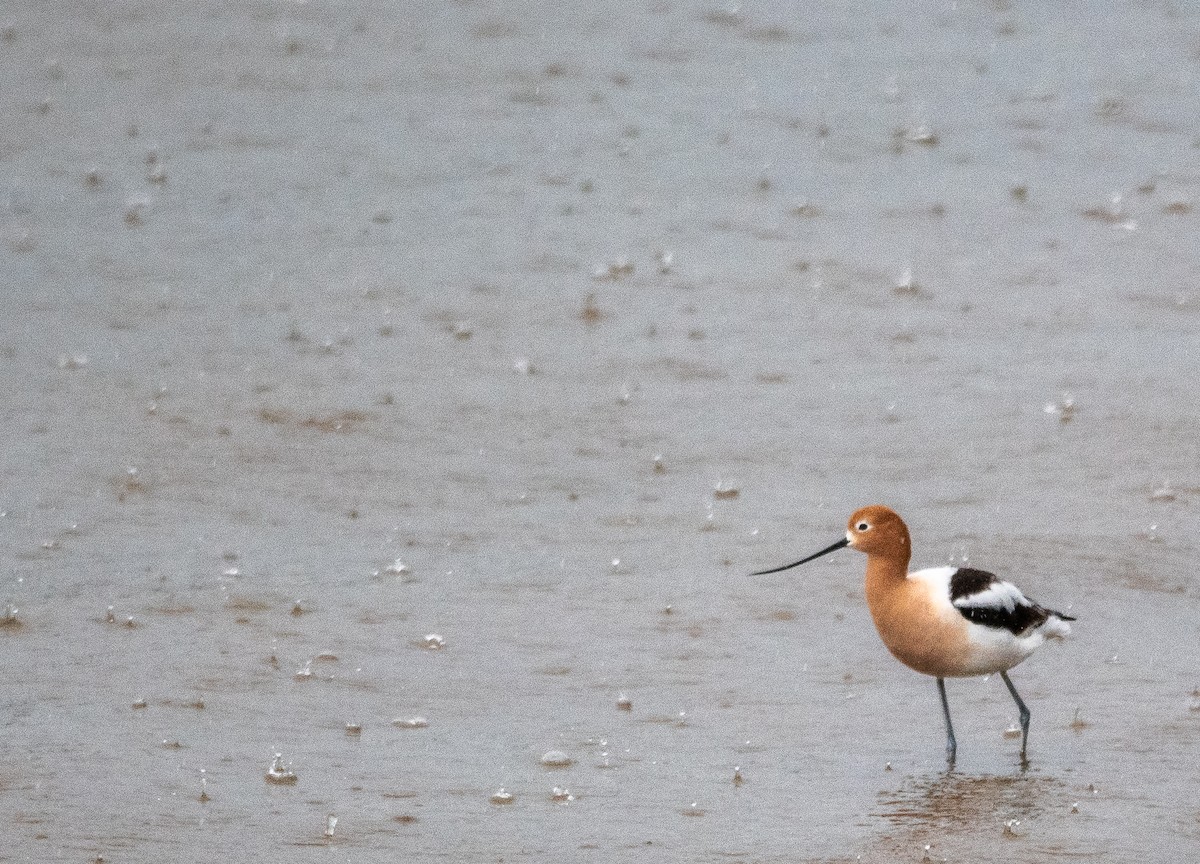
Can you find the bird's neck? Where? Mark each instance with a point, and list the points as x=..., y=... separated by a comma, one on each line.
x=884, y=573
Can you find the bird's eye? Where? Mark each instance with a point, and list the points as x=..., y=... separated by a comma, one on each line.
x=862, y=526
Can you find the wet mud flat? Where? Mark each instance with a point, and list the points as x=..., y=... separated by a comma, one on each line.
x=409, y=392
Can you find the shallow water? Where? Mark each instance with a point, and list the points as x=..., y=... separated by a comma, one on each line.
x=327, y=330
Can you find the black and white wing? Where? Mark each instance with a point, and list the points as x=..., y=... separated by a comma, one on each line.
x=987, y=600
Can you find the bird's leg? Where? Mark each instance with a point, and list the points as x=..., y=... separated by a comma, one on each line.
x=951, y=745
x=1024, y=712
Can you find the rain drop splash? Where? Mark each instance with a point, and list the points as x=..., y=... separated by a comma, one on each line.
x=280, y=774
x=1013, y=731
x=615, y=271
x=1112, y=213
x=1064, y=409
x=921, y=134
x=72, y=362
x=556, y=759
x=433, y=642
x=353, y=729
x=693, y=809
x=723, y=492
x=624, y=703
x=134, y=209
x=203, y=786
x=503, y=797
x=590, y=313
x=560, y=795
x=1163, y=493
x=330, y=825
x=410, y=723
x=907, y=285
x=738, y=778
x=10, y=619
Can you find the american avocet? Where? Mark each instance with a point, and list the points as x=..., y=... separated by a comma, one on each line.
x=948, y=622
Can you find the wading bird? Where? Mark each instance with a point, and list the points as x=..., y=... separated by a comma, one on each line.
x=948, y=622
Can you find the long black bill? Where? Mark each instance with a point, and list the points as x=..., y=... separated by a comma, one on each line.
x=841, y=544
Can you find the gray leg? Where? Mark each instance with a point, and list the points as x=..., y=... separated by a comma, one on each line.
x=1023, y=711
x=951, y=745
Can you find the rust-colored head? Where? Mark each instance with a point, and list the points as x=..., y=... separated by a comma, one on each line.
x=878, y=530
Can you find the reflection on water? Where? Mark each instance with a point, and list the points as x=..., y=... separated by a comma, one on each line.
x=940, y=812
x=950, y=799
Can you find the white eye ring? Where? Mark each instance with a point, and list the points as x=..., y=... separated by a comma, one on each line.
x=863, y=526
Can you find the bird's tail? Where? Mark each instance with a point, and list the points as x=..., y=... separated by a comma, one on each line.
x=1056, y=626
